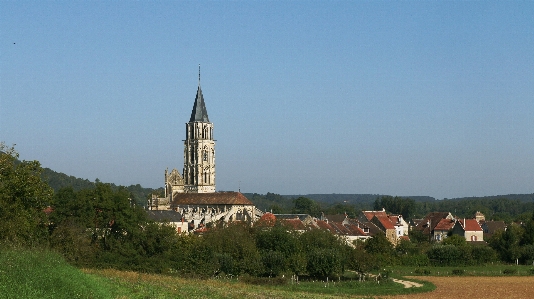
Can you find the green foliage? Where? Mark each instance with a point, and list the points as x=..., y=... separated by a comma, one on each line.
x=483, y=254
x=335, y=253
x=509, y=271
x=507, y=243
x=23, y=198
x=324, y=262
x=305, y=205
x=446, y=255
x=420, y=271
x=396, y=205
x=235, y=248
x=361, y=261
x=277, y=203
x=379, y=244
x=280, y=250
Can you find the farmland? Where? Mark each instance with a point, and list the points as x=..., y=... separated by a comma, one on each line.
x=474, y=287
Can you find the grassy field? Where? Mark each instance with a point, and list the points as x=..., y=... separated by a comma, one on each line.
x=43, y=274
x=34, y=274
x=162, y=286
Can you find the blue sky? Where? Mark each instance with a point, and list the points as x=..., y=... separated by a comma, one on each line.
x=383, y=97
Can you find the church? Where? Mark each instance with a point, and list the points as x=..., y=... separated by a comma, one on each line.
x=192, y=194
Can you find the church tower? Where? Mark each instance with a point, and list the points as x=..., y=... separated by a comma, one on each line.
x=199, y=149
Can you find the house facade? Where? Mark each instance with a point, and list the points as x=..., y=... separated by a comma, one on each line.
x=469, y=229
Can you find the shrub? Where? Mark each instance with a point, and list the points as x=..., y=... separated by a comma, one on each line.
x=509, y=271
x=415, y=260
x=422, y=271
x=274, y=281
x=458, y=272
x=531, y=271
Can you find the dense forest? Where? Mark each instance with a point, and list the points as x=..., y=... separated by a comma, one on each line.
x=99, y=225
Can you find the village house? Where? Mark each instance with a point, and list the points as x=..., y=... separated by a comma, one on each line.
x=469, y=229
x=491, y=227
x=393, y=226
x=430, y=221
x=442, y=229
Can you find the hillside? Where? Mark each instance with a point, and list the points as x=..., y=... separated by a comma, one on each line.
x=58, y=180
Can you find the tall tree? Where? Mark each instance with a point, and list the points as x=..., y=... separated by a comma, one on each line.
x=23, y=198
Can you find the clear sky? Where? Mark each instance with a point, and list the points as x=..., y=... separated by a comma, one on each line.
x=382, y=97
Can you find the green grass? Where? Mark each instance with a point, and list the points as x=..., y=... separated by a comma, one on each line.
x=482, y=270
x=44, y=274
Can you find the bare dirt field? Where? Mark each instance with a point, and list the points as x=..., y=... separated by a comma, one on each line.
x=477, y=287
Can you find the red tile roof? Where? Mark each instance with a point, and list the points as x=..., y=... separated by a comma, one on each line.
x=355, y=230
x=216, y=198
x=444, y=224
x=470, y=225
x=324, y=225
x=386, y=223
x=370, y=214
x=295, y=224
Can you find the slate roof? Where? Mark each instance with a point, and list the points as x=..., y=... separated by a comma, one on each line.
x=373, y=229
x=490, y=227
x=302, y=217
x=165, y=215
x=336, y=218
x=199, y=113
x=216, y=198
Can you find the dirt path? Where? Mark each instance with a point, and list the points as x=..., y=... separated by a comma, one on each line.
x=408, y=284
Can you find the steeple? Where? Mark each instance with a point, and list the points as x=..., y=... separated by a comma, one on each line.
x=199, y=112
x=199, y=149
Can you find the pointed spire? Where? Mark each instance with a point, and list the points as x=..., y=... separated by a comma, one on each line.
x=199, y=113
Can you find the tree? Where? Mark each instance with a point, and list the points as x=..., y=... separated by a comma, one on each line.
x=234, y=248
x=396, y=205
x=278, y=248
x=304, y=205
x=23, y=198
x=379, y=244
x=507, y=243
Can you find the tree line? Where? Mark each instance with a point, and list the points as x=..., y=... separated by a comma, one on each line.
x=102, y=226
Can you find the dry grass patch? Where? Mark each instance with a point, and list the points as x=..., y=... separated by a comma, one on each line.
x=509, y=287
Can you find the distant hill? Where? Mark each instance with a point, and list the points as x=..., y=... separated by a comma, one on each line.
x=58, y=180
x=520, y=197
x=354, y=198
